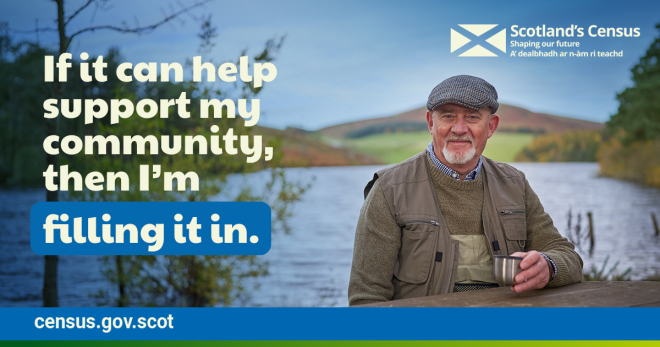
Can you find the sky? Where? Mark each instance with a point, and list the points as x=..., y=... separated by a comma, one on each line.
x=343, y=61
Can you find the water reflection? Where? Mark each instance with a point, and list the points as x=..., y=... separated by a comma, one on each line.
x=311, y=265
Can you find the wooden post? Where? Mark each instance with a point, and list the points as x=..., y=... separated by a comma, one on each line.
x=591, y=232
x=655, y=224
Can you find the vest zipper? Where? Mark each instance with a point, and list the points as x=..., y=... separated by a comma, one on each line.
x=425, y=221
x=508, y=212
x=451, y=267
x=490, y=243
x=428, y=291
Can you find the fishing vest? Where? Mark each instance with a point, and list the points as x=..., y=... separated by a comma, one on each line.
x=428, y=258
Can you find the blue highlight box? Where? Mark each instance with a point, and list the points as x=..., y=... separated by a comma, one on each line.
x=150, y=228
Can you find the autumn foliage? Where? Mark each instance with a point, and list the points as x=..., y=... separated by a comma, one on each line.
x=580, y=145
x=638, y=162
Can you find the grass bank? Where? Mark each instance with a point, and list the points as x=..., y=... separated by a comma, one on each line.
x=396, y=147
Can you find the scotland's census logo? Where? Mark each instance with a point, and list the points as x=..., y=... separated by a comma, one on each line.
x=474, y=31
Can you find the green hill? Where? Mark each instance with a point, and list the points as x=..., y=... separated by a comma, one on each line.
x=512, y=119
x=393, y=139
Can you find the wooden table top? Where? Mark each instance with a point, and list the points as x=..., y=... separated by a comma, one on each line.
x=585, y=294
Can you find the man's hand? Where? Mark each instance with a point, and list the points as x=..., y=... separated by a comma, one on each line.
x=535, y=273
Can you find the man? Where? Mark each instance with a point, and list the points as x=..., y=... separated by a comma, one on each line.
x=431, y=224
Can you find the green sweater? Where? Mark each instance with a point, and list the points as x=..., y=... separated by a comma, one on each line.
x=461, y=202
x=378, y=237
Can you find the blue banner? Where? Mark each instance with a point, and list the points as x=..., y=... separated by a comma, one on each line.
x=173, y=228
x=329, y=323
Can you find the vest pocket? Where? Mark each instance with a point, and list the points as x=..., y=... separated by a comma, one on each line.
x=417, y=251
x=514, y=224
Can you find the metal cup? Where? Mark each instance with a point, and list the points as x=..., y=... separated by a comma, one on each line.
x=506, y=268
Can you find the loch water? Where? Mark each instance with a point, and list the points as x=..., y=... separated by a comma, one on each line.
x=310, y=266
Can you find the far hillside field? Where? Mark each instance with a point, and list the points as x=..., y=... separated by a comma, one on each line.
x=395, y=147
x=390, y=140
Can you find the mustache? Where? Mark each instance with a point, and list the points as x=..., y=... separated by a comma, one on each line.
x=459, y=138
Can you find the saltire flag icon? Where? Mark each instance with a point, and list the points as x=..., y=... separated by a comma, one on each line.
x=459, y=40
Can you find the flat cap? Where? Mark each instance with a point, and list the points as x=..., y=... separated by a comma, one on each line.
x=464, y=90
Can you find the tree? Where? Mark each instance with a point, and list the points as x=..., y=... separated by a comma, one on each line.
x=639, y=109
x=21, y=84
x=632, y=144
x=53, y=126
x=185, y=280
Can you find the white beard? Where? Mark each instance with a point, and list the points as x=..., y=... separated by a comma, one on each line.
x=458, y=158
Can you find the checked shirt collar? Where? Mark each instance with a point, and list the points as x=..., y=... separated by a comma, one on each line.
x=449, y=172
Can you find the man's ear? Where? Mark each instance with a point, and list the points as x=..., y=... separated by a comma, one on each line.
x=493, y=122
x=429, y=119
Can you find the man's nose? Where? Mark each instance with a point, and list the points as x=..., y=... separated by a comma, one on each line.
x=460, y=127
